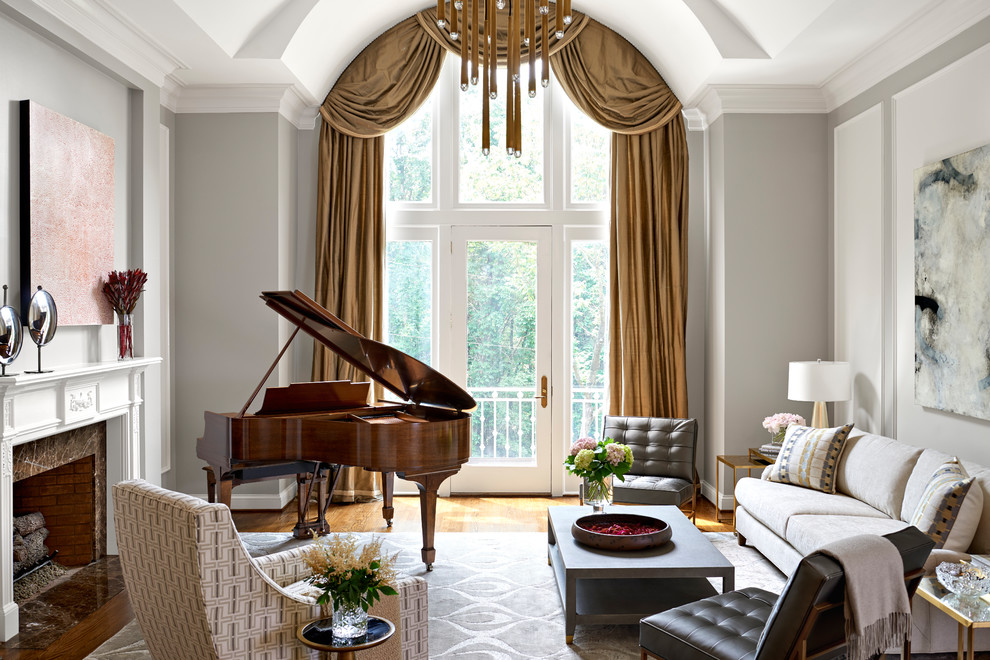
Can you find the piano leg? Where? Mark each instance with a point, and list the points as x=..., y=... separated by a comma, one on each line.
x=306, y=481
x=388, y=489
x=224, y=490
x=211, y=485
x=428, y=485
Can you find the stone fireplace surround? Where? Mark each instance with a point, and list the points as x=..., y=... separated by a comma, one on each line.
x=35, y=406
x=64, y=476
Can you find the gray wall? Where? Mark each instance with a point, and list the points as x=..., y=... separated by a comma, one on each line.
x=167, y=119
x=768, y=268
x=230, y=245
x=46, y=62
x=307, y=144
x=934, y=108
x=38, y=70
x=697, y=286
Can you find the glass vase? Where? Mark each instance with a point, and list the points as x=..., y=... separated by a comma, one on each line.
x=349, y=620
x=598, y=493
x=125, y=336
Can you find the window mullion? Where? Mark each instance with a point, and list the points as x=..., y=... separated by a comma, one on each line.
x=445, y=168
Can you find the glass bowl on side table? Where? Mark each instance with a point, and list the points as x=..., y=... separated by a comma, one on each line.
x=969, y=612
x=318, y=634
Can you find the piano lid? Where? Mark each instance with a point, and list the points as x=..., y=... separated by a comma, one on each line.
x=401, y=374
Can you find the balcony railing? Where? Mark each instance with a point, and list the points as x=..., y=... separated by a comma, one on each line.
x=503, y=427
x=587, y=412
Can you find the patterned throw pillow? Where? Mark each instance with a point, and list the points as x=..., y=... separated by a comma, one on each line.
x=940, y=503
x=809, y=457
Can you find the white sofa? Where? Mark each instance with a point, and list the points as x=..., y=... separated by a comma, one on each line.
x=879, y=483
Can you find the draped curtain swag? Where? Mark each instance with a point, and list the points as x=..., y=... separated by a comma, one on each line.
x=384, y=85
x=611, y=81
x=615, y=85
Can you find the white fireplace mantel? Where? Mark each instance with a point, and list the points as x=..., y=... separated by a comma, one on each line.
x=34, y=406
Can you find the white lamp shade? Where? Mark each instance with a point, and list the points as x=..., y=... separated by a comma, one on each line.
x=819, y=381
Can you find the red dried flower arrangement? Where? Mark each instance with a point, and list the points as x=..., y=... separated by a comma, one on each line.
x=122, y=290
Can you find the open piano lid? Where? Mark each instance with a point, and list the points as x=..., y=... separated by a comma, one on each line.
x=401, y=374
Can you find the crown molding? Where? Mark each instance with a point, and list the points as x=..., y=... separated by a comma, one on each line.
x=169, y=93
x=283, y=99
x=298, y=109
x=100, y=24
x=708, y=106
x=694, y=119
x=945, y=21
x=716, y=100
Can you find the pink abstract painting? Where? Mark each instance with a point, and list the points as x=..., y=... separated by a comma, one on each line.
x=67, y=214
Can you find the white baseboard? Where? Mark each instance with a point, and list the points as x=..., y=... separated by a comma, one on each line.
x=725, y=499
x=260, y=502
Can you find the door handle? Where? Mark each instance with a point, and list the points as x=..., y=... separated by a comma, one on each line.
x=544, y=393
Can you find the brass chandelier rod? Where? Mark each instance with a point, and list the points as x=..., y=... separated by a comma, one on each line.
x=479, y=35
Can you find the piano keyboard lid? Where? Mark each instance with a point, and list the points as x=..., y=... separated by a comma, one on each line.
x=401, y=374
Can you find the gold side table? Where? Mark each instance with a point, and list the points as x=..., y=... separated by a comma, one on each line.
x=968, y=613
x=735, y=462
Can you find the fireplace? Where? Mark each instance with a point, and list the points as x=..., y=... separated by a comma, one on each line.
x=87, y=418
x=63, y=477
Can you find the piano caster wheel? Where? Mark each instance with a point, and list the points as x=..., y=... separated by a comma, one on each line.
x=388, y=523
x=429, y=567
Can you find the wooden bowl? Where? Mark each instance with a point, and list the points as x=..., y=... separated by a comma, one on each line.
x=618, y=542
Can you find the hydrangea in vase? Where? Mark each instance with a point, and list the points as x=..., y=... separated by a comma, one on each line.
x=597, y=461
x=350, y=579
x=777, y=425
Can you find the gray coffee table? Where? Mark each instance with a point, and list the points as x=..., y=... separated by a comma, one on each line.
x=600, y=587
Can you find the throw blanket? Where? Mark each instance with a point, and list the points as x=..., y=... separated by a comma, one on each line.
x=878, y=611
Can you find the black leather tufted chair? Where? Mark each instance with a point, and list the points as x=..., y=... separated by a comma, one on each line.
x=805, y=621
x=663, y=470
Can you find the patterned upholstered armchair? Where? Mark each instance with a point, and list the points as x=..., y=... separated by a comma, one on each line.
x=663, y=470
x=197, y=593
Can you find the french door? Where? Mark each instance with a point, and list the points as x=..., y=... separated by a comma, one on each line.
x=498, y=309
x=500, y=328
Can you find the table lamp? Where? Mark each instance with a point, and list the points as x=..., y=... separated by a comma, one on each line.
x=819, y=382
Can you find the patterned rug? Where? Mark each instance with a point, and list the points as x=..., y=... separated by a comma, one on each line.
x=493, y=596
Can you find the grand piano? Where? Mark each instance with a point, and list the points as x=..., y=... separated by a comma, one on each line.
x=424, y=438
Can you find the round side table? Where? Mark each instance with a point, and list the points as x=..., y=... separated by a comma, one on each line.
x=317, y=634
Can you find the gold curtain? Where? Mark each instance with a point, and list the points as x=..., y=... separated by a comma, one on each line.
x=611, y=81
x=385, y=84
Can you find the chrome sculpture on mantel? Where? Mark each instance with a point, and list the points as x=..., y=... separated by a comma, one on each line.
x=42, y=322
x=11, y=335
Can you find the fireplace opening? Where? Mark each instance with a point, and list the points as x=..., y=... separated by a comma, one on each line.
x=60, y=498
x=65, y=499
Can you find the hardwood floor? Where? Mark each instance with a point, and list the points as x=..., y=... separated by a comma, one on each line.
x=454, y=514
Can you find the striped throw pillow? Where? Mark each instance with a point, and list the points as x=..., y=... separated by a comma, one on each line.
x=809, y=457
x=940, y=503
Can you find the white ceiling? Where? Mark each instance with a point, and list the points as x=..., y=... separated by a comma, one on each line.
x=202, y=50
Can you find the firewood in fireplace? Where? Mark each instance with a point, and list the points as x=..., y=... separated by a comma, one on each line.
x=31, y=522
x=29, y=542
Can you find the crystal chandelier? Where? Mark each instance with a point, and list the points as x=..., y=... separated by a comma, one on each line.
x=479, y=39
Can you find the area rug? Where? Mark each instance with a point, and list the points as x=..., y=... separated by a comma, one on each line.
x=493, y=596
